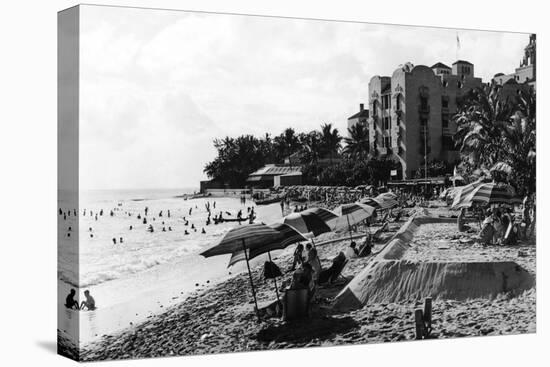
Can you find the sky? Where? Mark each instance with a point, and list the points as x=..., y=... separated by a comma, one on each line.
x=158, y=86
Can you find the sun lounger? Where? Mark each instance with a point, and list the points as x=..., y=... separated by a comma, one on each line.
x=295, y=304
x=332, y=274
x=376, y=235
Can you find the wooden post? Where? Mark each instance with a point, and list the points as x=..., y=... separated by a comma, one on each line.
x=251, y=282
x=419, y=321
x=428, y=315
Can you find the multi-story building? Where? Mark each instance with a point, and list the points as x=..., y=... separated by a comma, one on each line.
x=411, y=113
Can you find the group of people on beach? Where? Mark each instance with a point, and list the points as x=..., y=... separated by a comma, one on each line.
x=308, y=272
x=88, y=304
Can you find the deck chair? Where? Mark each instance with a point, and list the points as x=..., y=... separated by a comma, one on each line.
x=378, y=233
x=295, y=304
x=331, y=275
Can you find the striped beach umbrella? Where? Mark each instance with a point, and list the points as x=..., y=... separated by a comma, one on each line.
x=289, y=236
x=461, y=195
x=350, y=214
x=493, y=193
x=244, y=238
x=312, y=220
x=382, y=201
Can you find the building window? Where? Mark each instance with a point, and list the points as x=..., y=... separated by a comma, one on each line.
x=423, y=122
x=386, y=101
x=375, y=109
x=445, y=120
x=398, y=100
x=387, y=142
x=423, y=103
x=445, y=102
x=387, y=123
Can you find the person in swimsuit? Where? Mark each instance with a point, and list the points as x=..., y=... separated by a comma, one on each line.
x=89, y=303
x=70, y=302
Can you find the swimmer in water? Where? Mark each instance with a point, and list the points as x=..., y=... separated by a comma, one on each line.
x=114, y=241
x=203, y=231
x=186, y=233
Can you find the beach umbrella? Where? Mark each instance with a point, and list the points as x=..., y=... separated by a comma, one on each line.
x=289, y=236
x=494, y=193
x=312, y=220
x=243, y=238
x=461, y=194
x=382, y=201
x=351, y=214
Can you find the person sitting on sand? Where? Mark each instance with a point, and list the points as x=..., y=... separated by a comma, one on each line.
x=114, y=241
x=70, y=302
x=151, y=229
x=330, y=274
x=169, y=229
x=186, y=233
x=192, y=226
x=487, y=230
x=203, y=231
x=366, y=247
x=89, y=303
x=351, y=251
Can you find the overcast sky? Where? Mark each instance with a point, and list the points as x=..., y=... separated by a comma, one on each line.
x=158, y=86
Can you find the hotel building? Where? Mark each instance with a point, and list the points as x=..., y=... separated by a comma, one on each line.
x=411, y=113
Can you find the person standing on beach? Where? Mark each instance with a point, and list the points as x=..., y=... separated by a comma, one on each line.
x=146, y=210
x=282, y=207
x=298, y=256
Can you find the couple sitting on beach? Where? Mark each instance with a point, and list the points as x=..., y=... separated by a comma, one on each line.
x=498, y=228
x=71, y=303
x=364, y=250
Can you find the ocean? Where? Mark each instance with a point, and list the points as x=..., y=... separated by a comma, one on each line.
x=148, y=271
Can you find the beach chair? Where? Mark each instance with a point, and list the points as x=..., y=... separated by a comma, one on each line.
x=378, y=233
x=295, y=304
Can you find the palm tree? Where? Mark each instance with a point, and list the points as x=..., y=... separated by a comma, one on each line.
x=495, y=128
x=357, y=144
x=479, y=127
x=330, y=140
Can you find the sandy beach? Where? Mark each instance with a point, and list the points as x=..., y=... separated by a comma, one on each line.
x=220, y=318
